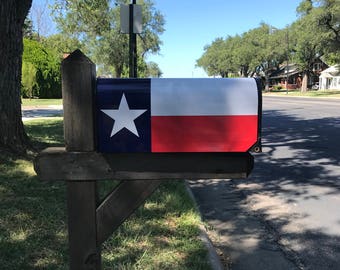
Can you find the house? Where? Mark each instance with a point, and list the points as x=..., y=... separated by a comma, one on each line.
x=279, y=76
x=294, y=74
x=330, y=78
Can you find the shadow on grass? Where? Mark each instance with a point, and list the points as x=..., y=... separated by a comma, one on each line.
x=45, y=133
x=163, y=234
x=33, y=220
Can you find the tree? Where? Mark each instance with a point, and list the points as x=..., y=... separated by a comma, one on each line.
x=153, y=70
x=259, y=50
x=328, y=18
x=47, y=63
x=28, y=81
x=28, y=28
x=266, y=46
x=62, y=44
x=12, y=17
x=217, y=59
x=40, y=14
x=243, y=55
x=312, y=41
x=98, y=23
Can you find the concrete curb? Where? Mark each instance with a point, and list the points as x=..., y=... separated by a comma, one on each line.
x=214, y=259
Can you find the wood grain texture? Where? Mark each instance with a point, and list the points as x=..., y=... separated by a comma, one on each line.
x=58, y=164
x=78, y=89
x=82, y=228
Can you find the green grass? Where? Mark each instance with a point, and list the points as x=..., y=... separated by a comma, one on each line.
x=40, y=102
x=163, y=234
x=310, y=93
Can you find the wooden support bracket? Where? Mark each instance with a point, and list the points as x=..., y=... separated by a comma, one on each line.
x=120, y=204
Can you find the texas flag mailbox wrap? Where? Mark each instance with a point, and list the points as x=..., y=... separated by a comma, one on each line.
x=177, y=115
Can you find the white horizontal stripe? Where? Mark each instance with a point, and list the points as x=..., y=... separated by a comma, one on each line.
x=174, y=97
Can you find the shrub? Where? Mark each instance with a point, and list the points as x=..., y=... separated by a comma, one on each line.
x=47, y=65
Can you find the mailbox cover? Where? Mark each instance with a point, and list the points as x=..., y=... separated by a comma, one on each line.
x=178, y=115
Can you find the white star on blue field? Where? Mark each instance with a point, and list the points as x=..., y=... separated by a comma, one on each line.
x=124, y=117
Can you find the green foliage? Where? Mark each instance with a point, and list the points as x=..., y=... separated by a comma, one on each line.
x=47, y=64
x=81, y=16
x=277, y=87
x=305, y=7
x=317, y=31
x=62, y=44
x=315, y=34
x=259, y=51
x=98, y=24
x=28, y=80
x=266, y=45
x=217, y=59
x=327, y=15
x=153, y=70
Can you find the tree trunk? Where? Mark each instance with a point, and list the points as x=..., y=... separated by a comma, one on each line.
x=12, y=16
x=304, y=84
x=266, y=77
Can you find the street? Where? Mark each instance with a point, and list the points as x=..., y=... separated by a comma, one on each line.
x=286, y=214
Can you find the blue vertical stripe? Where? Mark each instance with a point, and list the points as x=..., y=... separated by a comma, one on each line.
x=108, y=97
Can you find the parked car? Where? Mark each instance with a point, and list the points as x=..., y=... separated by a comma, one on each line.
x=315, y=86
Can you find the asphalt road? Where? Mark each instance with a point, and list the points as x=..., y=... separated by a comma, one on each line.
x=286, y=215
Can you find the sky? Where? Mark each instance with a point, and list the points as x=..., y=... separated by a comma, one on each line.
x=192, y=24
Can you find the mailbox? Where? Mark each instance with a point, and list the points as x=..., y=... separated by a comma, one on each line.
x=178, y=115
x=143, y=131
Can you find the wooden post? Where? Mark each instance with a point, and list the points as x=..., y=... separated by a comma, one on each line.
x=78, y=86
x=78, y=89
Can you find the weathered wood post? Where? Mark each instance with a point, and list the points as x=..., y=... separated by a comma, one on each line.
x=78, y=87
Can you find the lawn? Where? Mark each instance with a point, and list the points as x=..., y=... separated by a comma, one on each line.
x=40, y=102
x=310, y=93
x=162, y=234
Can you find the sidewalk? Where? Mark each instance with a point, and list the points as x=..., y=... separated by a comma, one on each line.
x=34, y=112
x=240, y=238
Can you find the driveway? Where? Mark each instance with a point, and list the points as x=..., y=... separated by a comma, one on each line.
x=32, y=112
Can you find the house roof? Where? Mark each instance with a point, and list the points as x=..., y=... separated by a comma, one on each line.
x=330, y=72
x=285, y=70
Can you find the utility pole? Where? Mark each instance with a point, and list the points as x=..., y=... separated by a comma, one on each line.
x=132, y=44
x=287, y=39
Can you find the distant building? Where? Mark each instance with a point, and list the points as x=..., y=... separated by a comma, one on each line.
x=330, y=78
x=279, y=77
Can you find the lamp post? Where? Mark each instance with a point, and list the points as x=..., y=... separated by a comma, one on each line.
x=287, y=39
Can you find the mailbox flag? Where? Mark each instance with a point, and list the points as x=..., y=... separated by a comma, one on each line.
x=177, y=115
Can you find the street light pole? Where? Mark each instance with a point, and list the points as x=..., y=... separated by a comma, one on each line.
x=132, y=44
x=287, y=37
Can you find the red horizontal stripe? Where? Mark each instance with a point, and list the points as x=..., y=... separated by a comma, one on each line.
x=203, y=133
